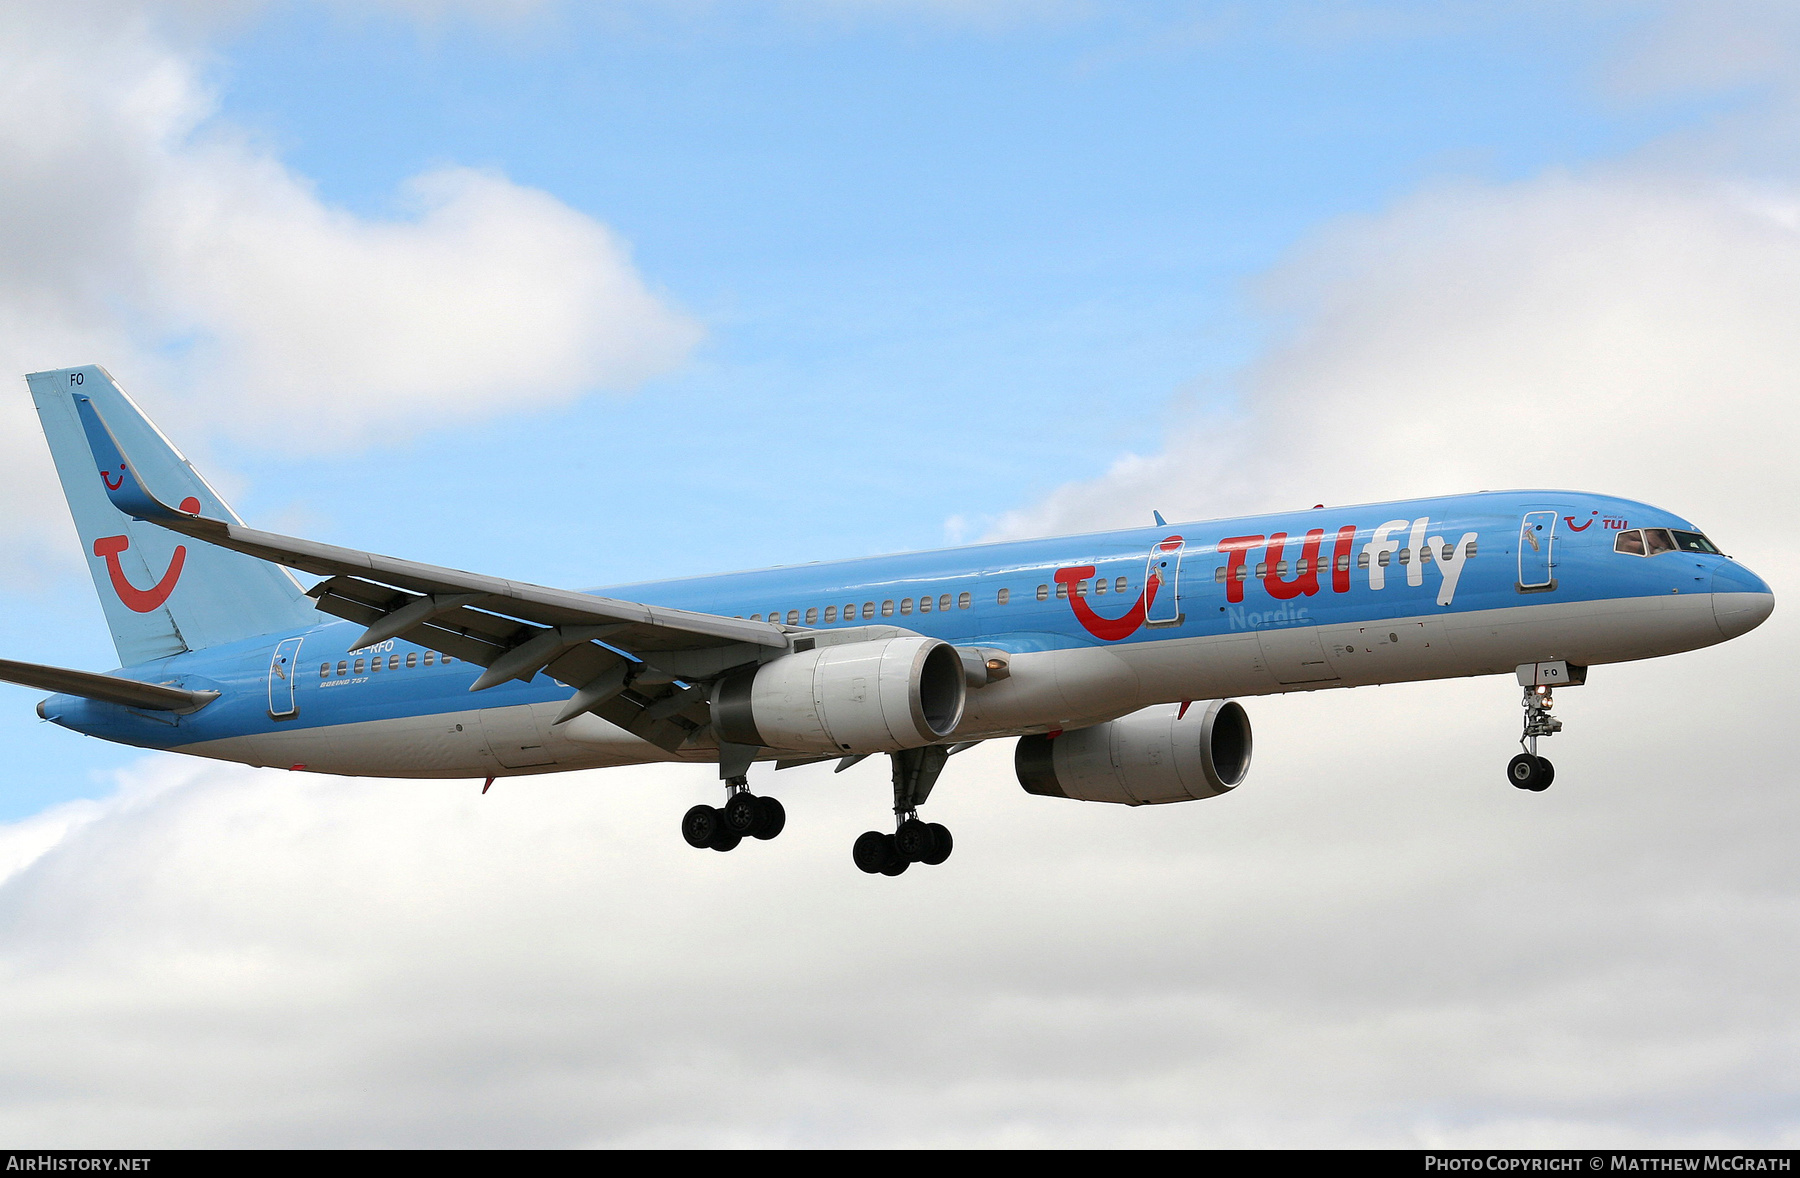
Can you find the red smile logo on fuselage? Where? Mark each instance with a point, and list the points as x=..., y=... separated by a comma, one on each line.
x=142, y=601
x=1112, y=629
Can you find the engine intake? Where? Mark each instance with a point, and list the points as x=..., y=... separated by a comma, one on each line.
x=1148, y=757
x=857, y=697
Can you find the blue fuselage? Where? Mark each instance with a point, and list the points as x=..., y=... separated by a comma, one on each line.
x=1295, y=600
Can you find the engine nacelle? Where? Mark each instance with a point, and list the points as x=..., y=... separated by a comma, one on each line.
x=857, y=697
x=1151, y=756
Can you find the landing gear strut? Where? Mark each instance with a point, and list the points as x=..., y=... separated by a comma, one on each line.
x=913, y=840
x=1528, y=770
x=744, y=815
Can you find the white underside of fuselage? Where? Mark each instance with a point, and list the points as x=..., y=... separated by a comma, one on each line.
x=1061, y=689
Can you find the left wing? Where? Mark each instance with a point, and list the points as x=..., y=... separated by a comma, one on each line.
x=642, y=667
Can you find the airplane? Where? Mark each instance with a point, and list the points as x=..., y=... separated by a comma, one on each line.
x=1114, y=659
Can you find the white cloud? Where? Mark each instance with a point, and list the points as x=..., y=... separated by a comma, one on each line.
x=334, y=327
x=1376, y=941
x=143, y=234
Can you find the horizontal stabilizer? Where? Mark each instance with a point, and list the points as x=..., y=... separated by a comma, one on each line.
x=106, y=688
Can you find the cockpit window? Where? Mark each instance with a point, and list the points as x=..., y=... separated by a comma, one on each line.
x=1657, y=540
x=1631, y=543
x=1694, y=542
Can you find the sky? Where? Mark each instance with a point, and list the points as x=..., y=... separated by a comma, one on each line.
x=586, y=294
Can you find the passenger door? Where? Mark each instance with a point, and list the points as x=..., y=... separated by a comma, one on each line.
x=1165, y=565
x=281, y=679
x=1537, y=563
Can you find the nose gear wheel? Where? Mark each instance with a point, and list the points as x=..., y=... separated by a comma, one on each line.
x=1528, y=770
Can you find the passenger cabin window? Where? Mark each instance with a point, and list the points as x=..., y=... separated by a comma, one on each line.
x=1002, y=597
x=1043, y=593
x=1694, y=542
x=887, y=608
x=1658, y=540
x=393, y=662
x=1262, y=568
x=343, y=669
x=924, y=605
x=412, y=659
x=374, y=664
x=358, y=669
x=324, y=670
x=812, y=615
x=1362, y=560
x=448, y=659
x=1405, y=556
x=793, y=617
x=831, y=613
x=944, y=602
x=1119, y=585
x=1630, y=543
x=1099, y=586
x=1062, y=590
x=430, y=656
x=964, y=601
x=1342, y=563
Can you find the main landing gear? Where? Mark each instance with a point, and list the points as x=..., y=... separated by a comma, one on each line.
x=744, y=815
x=1528, y=770
x=913, y=840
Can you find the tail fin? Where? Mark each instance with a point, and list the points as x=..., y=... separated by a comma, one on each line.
x=162, y=594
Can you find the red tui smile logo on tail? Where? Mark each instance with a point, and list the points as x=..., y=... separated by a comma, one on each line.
x=142, y=601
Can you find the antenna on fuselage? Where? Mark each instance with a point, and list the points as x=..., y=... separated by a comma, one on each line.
x=1160, y=521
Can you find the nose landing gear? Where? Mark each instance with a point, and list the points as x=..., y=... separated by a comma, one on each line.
x=1528, y=770
x=744, y=815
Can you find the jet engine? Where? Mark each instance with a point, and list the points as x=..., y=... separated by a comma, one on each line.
x=857, y=697
x=1156, y=755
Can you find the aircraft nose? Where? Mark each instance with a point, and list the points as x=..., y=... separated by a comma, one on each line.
x=1742, y=601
